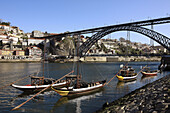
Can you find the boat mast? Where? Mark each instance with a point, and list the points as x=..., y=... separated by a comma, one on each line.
x=127, y=46
x=78, y=76
x=44, y=60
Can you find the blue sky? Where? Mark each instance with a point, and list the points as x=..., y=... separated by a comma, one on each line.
x=58, y=16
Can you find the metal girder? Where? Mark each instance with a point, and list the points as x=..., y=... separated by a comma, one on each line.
x=159, y=38
x=98, y=29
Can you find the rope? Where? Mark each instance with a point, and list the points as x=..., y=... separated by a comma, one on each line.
x=98, y=71
x=115, y=75
x=141, y=70
x=15, y=81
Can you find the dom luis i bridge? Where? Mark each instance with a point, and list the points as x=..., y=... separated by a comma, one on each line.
x=137, y=26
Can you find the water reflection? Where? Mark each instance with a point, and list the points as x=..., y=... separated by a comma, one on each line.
x=148, y=78
x=121, y=84
x=76, y=100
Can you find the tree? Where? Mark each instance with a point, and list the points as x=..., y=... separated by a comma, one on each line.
x=5, y=33
x=11, y=31
x=30, y=44
x=121, y=39
x=19, y=42
x=25, y=37
x=5, y=23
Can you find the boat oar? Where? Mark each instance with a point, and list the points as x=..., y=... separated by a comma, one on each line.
x=115, y=75
x=40, y=91
x=16, y=81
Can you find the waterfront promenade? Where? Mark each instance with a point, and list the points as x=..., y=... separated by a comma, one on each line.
x=151, y=98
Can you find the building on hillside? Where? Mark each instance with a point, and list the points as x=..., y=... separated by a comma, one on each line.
x=159, y=48
x=12, y=29
x=32, y=41
x=16, y=30
x=2, y=36
x=4, y=52
x=5, y=27
x=28, y=34
x=19, y=52
x=34, y=51
x=133, y=46
x=2, y=31
x=7, y=39
x=109, y=44
x=37, y=33
x=14, y=40
x=4, y=40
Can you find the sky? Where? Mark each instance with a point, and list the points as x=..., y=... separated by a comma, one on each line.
x=58, y=16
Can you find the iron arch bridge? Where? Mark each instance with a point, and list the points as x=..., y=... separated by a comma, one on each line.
x=132, y=26
x=159, y=38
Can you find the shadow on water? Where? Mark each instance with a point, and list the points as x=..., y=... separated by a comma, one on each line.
x=26, y=95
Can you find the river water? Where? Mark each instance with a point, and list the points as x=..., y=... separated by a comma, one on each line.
x=51, y=102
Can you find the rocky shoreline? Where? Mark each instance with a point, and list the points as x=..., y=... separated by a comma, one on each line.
x=151, y=98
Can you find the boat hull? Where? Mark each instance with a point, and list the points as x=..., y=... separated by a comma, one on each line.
x=124, y=79
x=78, y=92
x=36, y=88
x=149, y=74
x=88, y=91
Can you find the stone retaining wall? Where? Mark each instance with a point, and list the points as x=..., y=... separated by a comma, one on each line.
x=152, y=98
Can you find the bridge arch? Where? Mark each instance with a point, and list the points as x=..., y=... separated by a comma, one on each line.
x=159, y=38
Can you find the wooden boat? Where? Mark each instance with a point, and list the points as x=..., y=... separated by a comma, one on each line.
x=148, y=72
x=80, y=87
x=83, y=89
x=38, y=83
x=127, y=74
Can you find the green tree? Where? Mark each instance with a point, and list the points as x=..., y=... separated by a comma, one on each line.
x=5, y=23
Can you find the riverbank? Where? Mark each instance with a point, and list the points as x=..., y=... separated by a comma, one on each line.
x=151, y=98
x=118, y=58
x=20, y=61
x=89, y=59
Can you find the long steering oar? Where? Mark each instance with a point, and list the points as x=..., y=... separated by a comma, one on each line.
x=41, y=91
x=115, y=75
x=16, y=81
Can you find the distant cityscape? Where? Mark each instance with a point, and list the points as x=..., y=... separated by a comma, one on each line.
x=15, y=44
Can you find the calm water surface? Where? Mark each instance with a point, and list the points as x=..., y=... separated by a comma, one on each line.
x=51, y=102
